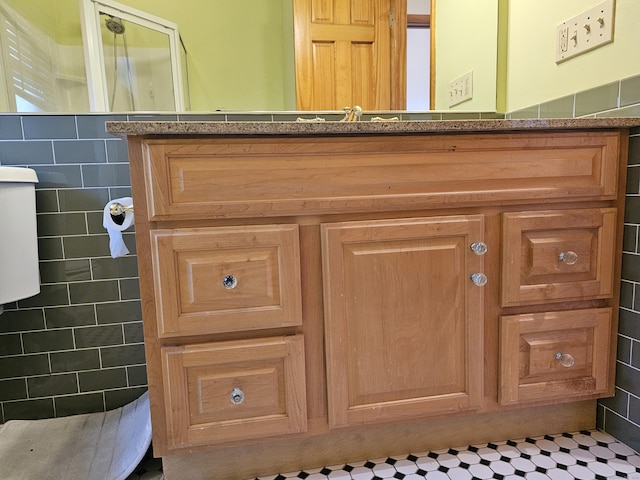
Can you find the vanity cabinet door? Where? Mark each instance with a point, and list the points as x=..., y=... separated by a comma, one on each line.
x=403, y=318
x=223, y=391
x=555, y=355
x=557, y=255
x=226, y=279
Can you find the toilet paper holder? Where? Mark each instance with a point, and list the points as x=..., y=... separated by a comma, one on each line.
x=118, y=209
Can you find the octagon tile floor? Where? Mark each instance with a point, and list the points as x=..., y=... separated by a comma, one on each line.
x=584, y=455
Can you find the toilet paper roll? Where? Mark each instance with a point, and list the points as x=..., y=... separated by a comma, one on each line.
x=115, y=225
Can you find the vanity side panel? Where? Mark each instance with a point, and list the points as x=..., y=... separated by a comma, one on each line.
x=147, y=295
x=617, y=269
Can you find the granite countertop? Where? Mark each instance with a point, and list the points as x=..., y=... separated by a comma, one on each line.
x=361, y=127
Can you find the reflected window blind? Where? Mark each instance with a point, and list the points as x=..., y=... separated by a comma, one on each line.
x=29, y=67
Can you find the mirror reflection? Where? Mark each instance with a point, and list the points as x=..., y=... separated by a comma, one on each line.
x=161, y=55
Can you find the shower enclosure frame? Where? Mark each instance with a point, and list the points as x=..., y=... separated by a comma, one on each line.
x=90, y=11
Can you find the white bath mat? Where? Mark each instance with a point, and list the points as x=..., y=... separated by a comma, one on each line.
x=94, y=446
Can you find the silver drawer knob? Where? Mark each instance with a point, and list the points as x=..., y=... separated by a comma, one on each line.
x=479, y=248
x=479, y=279
x=229, y=282
x=565, y=359
x=569, y=257
x=237, y=396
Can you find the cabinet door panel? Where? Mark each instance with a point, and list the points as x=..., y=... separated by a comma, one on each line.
x=554, y=355
x=558, y=255
x=217, y=392
x=403, y=321
x=226, y=279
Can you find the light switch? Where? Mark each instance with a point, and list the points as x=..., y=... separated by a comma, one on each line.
x=586, y=31
x=461, y=89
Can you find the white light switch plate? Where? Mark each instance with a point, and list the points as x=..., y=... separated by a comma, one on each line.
x=586, y=31
x=461, y=89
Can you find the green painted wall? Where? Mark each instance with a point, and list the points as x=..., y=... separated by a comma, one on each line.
x=236, y=51
x=41, y=14
x=533, y=76
x=466, y=39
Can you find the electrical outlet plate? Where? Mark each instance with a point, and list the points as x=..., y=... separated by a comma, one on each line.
x=461, y=89
x=586, y=31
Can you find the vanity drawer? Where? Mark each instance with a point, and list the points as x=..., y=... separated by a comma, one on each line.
x=226, y=279
x=558, y=255
x=260, y=176
x=554, y=355
x=225, y=391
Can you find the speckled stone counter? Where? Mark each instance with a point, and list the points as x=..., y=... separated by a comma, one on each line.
x=361, y=127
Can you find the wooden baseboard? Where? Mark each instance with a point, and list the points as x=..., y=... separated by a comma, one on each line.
x=355, y=444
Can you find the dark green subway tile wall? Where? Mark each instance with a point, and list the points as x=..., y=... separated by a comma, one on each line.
x=75, y=361
x=92, y=126
x=77, y=347
x=79, y=404
x=615, y=99
x=558, y=108
x=619, y=415
x=630, y=91
x=39, y=127
x=11, y=127
x=26, y=153
x=598, y=99
x=80, y=151
x=52, y=385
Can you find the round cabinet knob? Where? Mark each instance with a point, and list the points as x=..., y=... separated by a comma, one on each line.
x=237, y=396
x=569, y=257
x=565, y=359
x=229, y=282
x=479, y=248
x=479, y=279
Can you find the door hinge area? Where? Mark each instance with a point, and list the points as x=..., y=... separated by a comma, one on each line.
x=392, y=20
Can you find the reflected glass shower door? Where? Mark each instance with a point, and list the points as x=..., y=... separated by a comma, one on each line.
x=137, y=65
x=133, y=59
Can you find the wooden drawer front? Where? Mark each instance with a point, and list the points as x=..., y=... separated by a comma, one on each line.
x=219, y=392
x=222, y=177
x=554, y=355
x=225, y=279
x=404, y=333
x=534, y=244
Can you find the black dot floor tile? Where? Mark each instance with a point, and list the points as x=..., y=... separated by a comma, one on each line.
x=588, y=455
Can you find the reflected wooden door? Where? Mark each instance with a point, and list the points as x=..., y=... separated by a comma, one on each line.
x=350, y=52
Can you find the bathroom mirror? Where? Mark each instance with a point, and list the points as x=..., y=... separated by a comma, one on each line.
x=240, y=53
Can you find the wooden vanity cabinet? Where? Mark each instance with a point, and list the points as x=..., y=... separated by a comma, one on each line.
x=302, y=294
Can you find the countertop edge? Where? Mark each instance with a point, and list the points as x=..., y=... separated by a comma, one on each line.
x=137, y=128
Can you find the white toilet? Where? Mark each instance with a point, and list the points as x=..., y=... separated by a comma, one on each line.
x=19, y=273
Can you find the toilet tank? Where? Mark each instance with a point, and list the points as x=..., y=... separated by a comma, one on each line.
x=19, y=273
